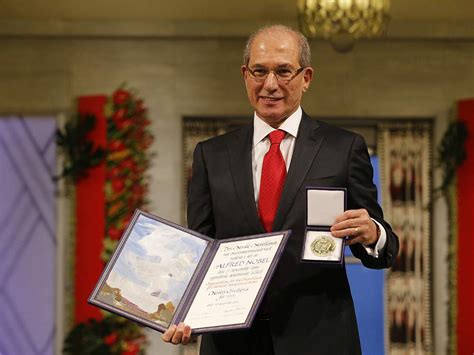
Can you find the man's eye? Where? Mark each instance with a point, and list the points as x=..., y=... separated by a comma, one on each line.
x=260, y=72
x=284, y=72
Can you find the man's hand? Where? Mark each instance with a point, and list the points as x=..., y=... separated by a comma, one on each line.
x=177, y=334
x=357, y=225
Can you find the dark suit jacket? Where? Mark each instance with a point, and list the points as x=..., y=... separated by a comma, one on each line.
x=310, y=306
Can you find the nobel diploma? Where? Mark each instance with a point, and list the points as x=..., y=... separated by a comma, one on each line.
x=162, y=274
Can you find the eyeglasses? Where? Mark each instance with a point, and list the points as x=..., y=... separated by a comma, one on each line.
x=282, y=74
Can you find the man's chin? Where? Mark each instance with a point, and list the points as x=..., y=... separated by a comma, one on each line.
x=272, y=117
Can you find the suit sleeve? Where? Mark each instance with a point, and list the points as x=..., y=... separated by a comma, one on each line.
x=199, y=212
x=362, y=193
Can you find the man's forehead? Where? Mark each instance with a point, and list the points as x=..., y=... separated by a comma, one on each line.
x=276, y=39
x=275, y=46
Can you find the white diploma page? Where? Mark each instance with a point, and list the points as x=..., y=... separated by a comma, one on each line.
x=232, y=283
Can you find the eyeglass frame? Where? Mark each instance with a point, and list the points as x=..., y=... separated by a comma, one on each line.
x=262, y=79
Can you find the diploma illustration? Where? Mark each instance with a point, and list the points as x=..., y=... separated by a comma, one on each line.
x=162, y=273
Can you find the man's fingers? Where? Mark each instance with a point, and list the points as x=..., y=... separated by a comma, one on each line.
x=348, y=230
x=169, y=333
x=178, y=334
x=349, y=214
x=186, y=335
x=349, y=223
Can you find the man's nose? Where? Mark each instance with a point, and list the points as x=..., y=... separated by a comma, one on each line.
x=271, y=82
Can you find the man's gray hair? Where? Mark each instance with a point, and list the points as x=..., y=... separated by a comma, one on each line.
x=305, y=51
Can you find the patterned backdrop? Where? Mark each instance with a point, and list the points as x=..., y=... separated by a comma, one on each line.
x=405, y=157
x=28, y=238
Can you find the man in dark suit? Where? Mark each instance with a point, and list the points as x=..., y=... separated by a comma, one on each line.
x=253, y=181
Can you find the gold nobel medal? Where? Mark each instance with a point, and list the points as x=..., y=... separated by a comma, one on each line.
x=323, y=246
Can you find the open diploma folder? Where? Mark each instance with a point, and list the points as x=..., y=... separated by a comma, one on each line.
x=162, y=274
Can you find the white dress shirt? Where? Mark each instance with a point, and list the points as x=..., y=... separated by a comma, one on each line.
x=261, y=145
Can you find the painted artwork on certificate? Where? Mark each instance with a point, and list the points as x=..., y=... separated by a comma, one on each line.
x=152, y=271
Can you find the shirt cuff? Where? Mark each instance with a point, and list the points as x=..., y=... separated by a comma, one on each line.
x=380, y=243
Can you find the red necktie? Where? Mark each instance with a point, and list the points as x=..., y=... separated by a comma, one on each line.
x=271, y=183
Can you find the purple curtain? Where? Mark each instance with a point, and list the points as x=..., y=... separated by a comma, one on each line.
x=27, y=235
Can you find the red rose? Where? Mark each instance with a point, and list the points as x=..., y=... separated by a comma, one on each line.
x=128, y=164
x=116, y=145
x=114, y=172
x=110, y=339
x=119, y=115
x=131, y=348
x=120, y=96
x=114, y=234
x=117, y=185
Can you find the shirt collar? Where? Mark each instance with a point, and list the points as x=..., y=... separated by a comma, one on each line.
x=261, y=129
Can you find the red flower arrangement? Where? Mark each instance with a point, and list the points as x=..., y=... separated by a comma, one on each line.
x=126, y=160
x=126, y=187
x=111, y=335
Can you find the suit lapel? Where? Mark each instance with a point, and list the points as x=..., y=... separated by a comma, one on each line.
x=307, y=145
x=240, y=152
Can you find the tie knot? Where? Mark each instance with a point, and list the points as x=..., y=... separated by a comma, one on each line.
x=277, y=136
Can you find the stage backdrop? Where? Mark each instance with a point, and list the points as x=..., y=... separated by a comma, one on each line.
x=27, y=235
x=405, y=160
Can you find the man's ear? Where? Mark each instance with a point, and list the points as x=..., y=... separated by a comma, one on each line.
x=308, y=76
x=243, y=70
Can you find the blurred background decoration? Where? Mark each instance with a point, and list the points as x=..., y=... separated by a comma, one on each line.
x=106, y=164
x=343, y=21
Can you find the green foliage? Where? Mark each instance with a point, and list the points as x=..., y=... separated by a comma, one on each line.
x=451, y=152
x=109, y=247
x=112, y=335
x=87, y=338
x=81, y=153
